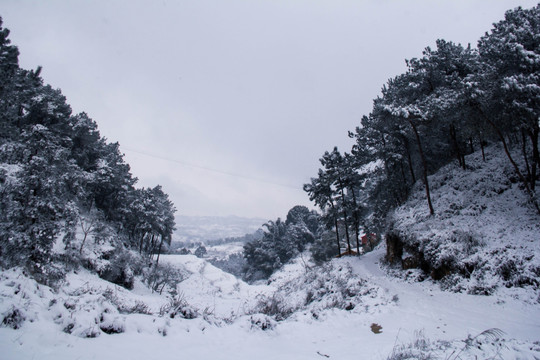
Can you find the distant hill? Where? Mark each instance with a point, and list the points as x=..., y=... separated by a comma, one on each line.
x=208, y=228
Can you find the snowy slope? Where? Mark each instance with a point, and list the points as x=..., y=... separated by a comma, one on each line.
x=484, y=229
x=415, y=318
x=211, y=289
x=194, y=229
x=349, y=308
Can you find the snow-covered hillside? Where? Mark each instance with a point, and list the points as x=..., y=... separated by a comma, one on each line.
x=348, y=309
x=194, y=229
x=485, y=231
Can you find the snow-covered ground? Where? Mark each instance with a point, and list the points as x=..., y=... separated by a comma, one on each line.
x=415, y=318
x=224, y=250
x=195, y=229
x=444, y=315
x=484, y=227
x=211, y=289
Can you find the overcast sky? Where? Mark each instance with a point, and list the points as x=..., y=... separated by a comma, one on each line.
x=230, y=104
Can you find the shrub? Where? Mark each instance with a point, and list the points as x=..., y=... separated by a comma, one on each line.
x=111, y=324
x=13, y=318
x=50, y=274
x=178, y=306
x=200, y=252
x=323, y=249
x=263, y=322
x=274, y=306
x=160, y=276
x=122, y=269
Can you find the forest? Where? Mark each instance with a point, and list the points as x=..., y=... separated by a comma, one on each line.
x=60, y=177
x=451, y=102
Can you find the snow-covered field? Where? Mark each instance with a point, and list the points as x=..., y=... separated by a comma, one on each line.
x=222, y=251
x=338, y=319
x=194, y=229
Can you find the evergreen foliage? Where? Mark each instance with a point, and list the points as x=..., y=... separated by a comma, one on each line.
x=448, y=103
x=280, y=242
x=59, y=178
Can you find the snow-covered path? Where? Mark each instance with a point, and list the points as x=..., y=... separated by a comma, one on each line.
x=446, y=315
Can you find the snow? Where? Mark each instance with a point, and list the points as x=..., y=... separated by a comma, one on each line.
x=404, y=310
x=211, y=289
x=305, y=311
x=205, y=229
x=483, y=220
x=10, y=169
x=224, y=250
x=447, y=315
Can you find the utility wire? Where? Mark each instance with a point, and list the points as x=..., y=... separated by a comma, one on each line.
x=184, y=163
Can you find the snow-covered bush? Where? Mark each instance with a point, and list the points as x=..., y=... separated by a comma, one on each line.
x=13, y=318
x=87, y=312
x=162, y=276
x=323, y=248
x=281, y=241
x=80, y=309
x=124, y=307
x=200, y=252
x=489, y=344
x=178, y=306
x=262, y=322
x=51, y=273
x=122, y=268
x=330, y=286
x=274, y=305
x=234, y=264
x=334, y=285
x=418, y=349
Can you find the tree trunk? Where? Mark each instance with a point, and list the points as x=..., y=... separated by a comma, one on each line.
x=536, y=156
x=159, y=250
x=152, y=246
x=141, y=243
x=403, y=173
x=409, y=159
x=516, y=168
x=424, y=165
x=525, y=157
x=86, y=230
x=336, y=225
x=356, y=222
x=82, y=244
x=345, y=218
x=453, y=136
x=482, y=144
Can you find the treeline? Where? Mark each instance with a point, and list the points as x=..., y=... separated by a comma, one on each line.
x=258, y=234
x=280, y=242
x=61, y=183
x=450, y=102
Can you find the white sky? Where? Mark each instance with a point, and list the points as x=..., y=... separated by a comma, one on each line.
x=230, y=104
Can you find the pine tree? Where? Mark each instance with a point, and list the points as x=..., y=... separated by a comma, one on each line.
x=510, y=56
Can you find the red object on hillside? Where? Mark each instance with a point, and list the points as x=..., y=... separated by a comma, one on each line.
x=372, y=237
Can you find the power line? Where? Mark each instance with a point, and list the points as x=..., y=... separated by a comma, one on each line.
x=185, y=163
